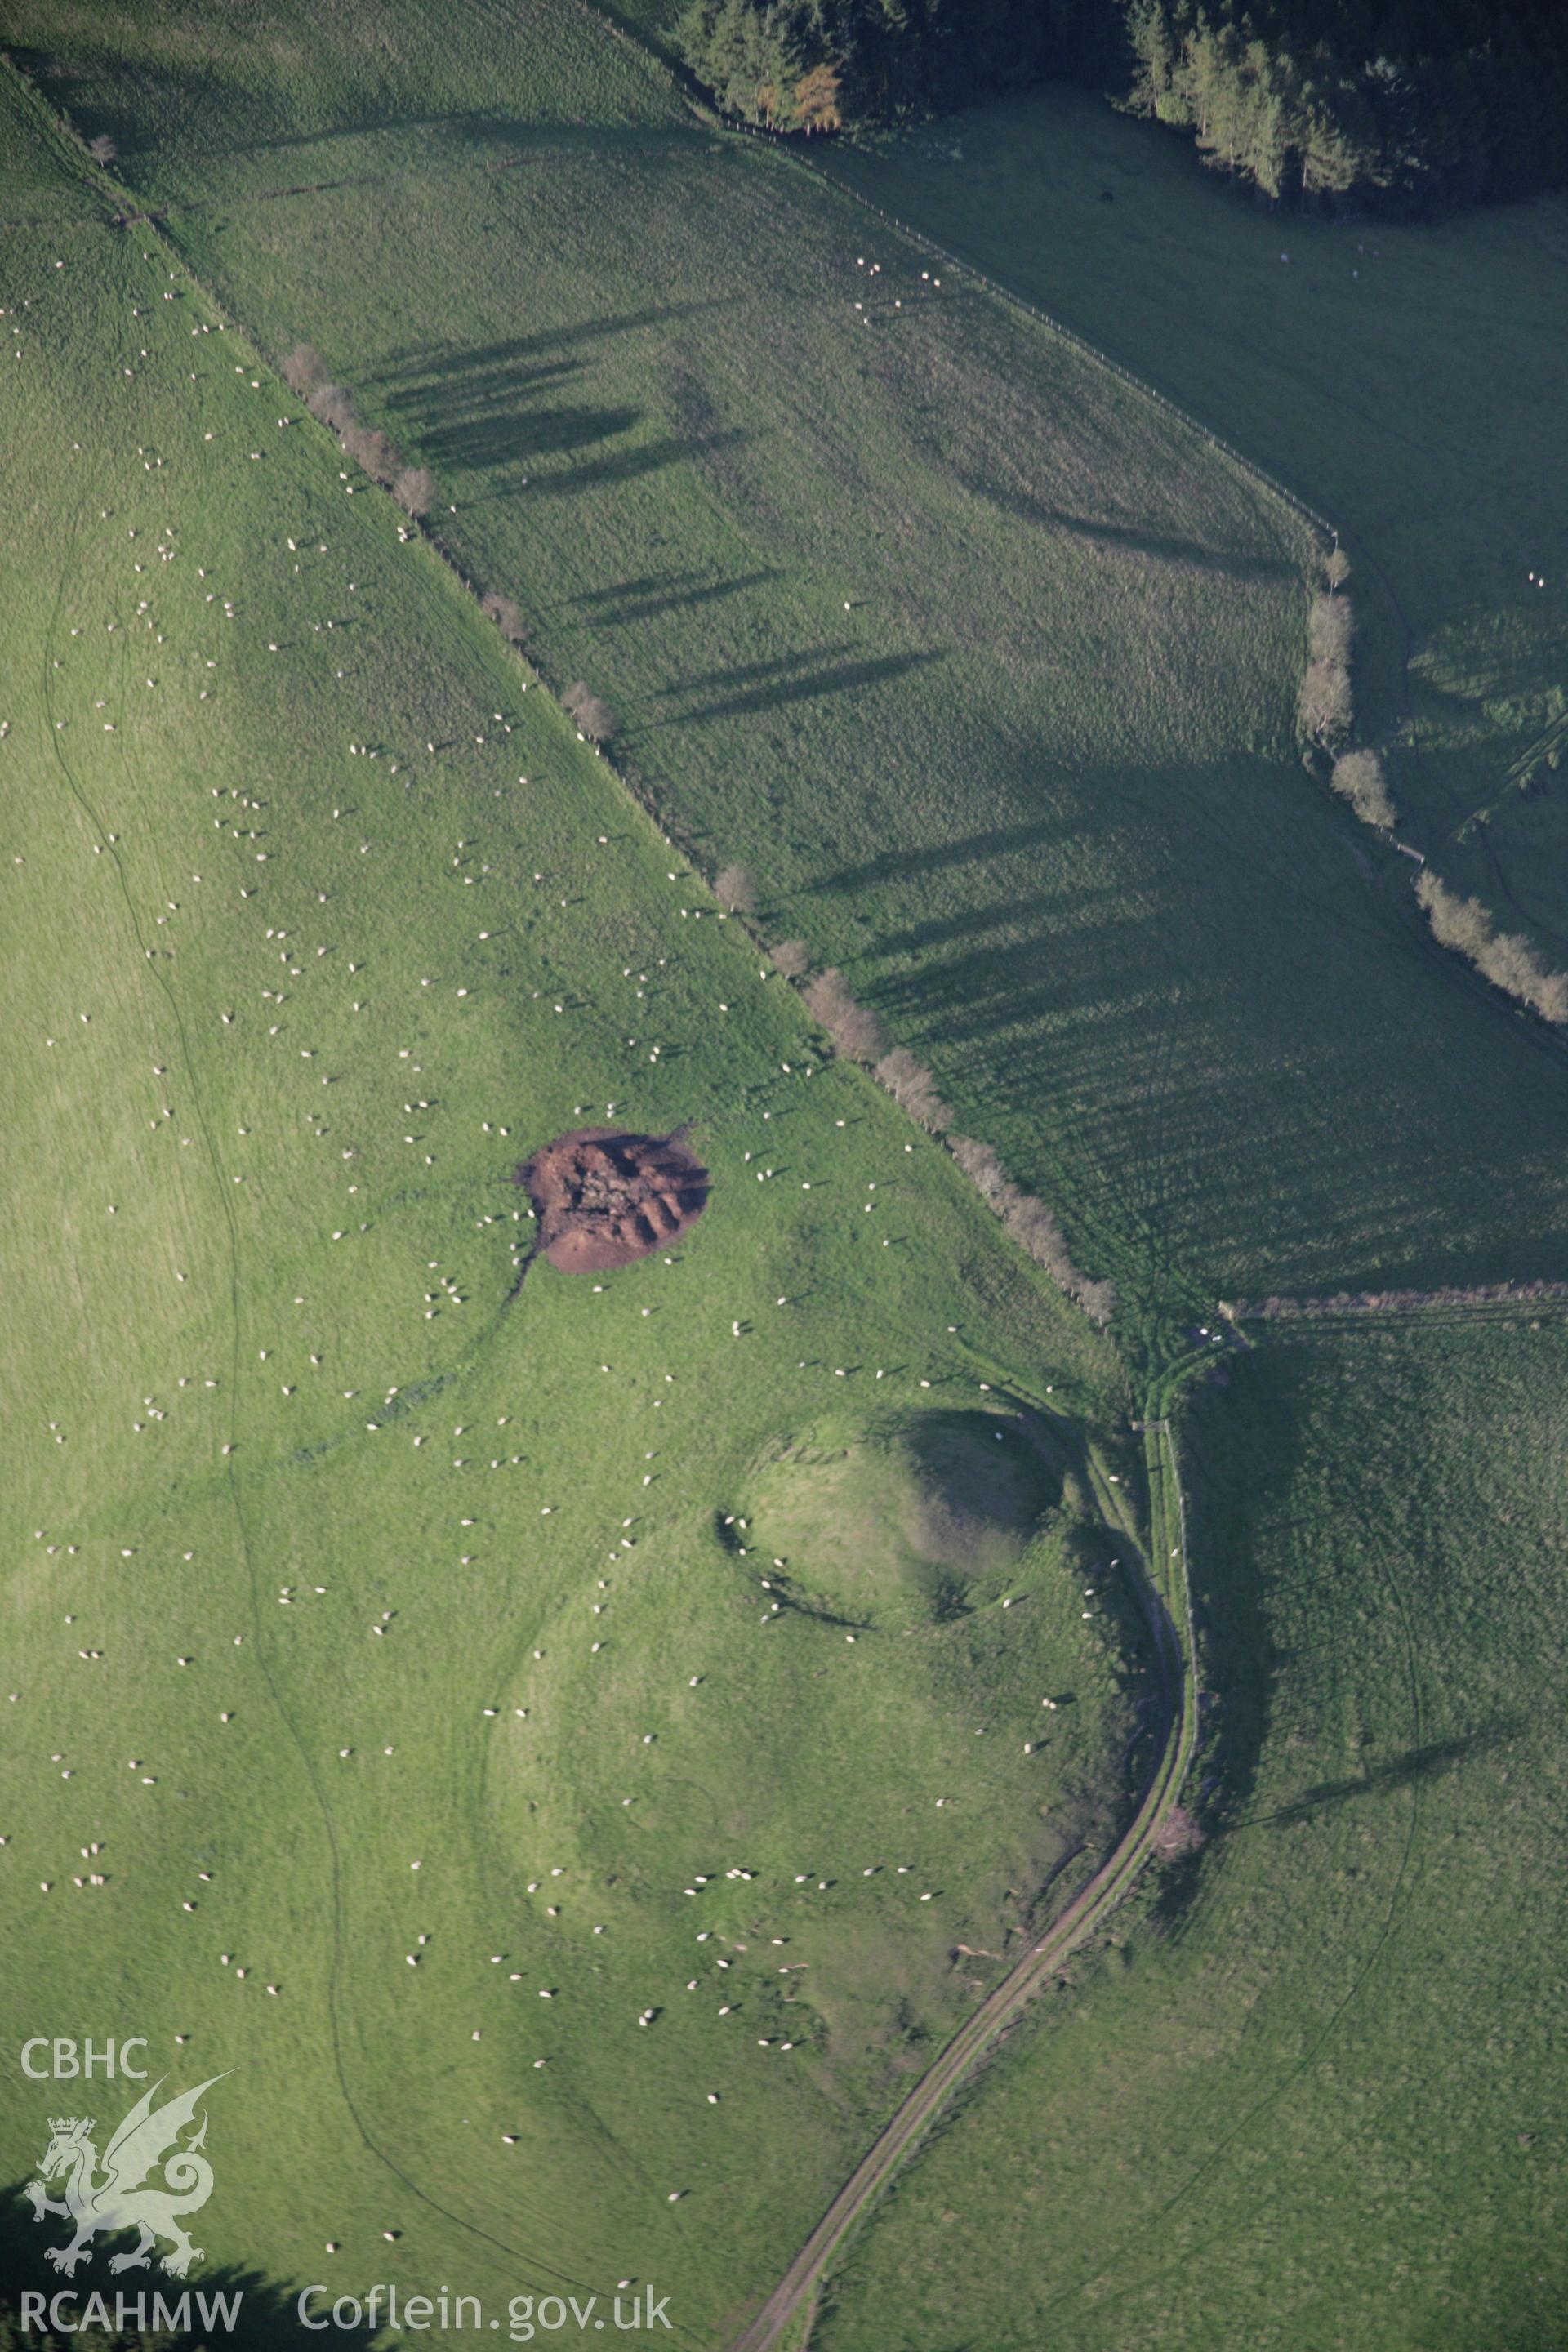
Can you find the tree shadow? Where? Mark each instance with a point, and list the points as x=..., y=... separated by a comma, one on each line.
x=523, y=437
x=1165, y=547
x=774, y=685
x=633, y=601
x=436, y=363
x=1415, y=1764
x=632, y=465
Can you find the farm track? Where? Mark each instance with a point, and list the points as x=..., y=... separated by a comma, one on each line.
x=1167, y=1602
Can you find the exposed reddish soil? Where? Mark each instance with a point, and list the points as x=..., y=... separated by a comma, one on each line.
x=603, y=1198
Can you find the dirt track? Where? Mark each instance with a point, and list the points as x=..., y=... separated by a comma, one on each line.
x=603, y=1198
x=1166, y=1599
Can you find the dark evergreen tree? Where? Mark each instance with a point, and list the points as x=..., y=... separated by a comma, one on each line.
x=1414, y=105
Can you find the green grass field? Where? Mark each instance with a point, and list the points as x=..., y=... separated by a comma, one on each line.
x=1402, y=379
x=277, y=1614
x=1307, y=2097
x=914, y=609
x=715, y=1730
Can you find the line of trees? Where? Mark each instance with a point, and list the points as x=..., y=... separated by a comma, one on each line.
x=1033, y=1225
x=858, y=1034
x=1505, y=958
x=828, y=65
x=1411, y=109
x=1326, y=705
x=1326, y=715
x=306, y=374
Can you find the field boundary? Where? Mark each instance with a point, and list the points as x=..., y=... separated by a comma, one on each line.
x=781, y=145
x=1342, y=1303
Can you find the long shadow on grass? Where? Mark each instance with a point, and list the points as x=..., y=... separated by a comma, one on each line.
x=832, y=676
x=436, y=396
x=434, y=365
x=1241, y=1664
x=266, y=2312
x=1415, y=1764
x=672, y=592
x=632, y=465
x=1202, y=1001
x=529, y=436
x=911, y=865
x=1164, y=548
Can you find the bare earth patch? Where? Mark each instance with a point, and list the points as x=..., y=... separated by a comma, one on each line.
x=603, y=1198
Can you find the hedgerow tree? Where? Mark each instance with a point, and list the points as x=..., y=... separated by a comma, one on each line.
x=1331, y=629
x=595, y=718
x=1358, y=777
x=505, y=615
x=736, y=887
x=370, y=449
x=855, y=1029
x=913, y=1088
x=334, y=404
x=1507, y=959
x=1325, y=702
x=415, y=490
x=1033, y=1225
x=303, y=370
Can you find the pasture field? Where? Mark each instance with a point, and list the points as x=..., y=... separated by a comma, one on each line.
x=981, y=659
x=1402, y=378
x=333, y=1738
x=1310, y=2095
x=578, y=1852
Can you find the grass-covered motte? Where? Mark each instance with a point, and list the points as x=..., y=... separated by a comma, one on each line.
x=376, y=1614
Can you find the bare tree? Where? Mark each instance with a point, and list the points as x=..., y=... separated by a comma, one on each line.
x=415, y=490
x=1033, y=1225
x=792, y=957
x=595, y=718
x=1331, y=628
x=370, y=448
x=1336, y=567
x=981, y=1165
x=736, y=888
x=1358, y=776
x=1507, y=959
x=1179, y=1833
x=102, y=149
x=1511, y=963
x=505, y=615
x=913, y=1088
x=334, y=404
x=1325, y=702
x=855, y=1029
x=303, y=371
x=1098, y=1299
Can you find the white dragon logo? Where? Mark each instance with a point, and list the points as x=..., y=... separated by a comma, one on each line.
x=143, y=2143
